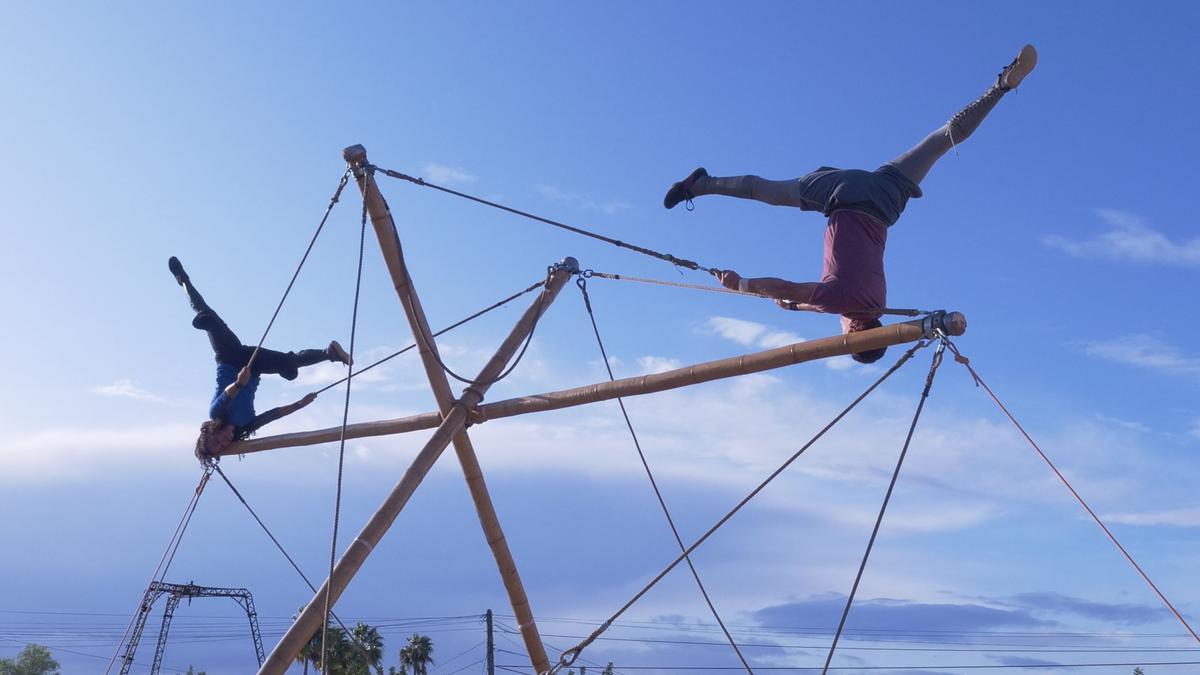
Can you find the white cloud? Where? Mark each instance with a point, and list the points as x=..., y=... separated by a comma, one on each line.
x=658, y=364
x=760, y=336
x=582, y=201
x=1129, y=239
x=750, y=333
x=440, y=173
x=1145, y=351
x=75, y=453
x=125, y=388
x=1195, y=430
x=1124, y=424
x=840, y=363
x=1188, y=517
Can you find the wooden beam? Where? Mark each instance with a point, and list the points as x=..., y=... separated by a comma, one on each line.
x=449, y=430
x=953, y=323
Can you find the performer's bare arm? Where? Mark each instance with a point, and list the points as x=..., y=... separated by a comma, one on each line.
x=783, y=291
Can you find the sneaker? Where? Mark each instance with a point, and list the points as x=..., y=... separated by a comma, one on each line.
x=682, y=191
x=176, y=268
x=336, y=353
x=1016, y=71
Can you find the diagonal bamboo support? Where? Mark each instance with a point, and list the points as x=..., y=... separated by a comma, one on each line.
x=953, y=323
x=309, y=621
x=389, y=244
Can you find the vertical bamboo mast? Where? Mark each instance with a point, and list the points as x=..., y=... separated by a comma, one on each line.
x=389, y=243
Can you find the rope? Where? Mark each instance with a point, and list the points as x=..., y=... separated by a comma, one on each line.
x=979, y=382
x=587, y=302
x=168, y=556
x=862, y=566
x=667, y=257
x=520, y=355
x=328, y=209
x=447, y=329
x=798, y=306
x=279, y=546
x=568, y=657
x=337, y=502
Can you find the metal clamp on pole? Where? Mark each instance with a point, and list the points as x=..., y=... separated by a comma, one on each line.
x=943, y=322
x=568, y=264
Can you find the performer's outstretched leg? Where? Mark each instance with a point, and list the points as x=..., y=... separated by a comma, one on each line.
x=225, y=344
x=774, y=192
x=288, y=364
x=917, y=162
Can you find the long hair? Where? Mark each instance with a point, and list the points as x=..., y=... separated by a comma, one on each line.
x=206, y=431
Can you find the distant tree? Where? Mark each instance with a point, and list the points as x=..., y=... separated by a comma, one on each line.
x=417, y=655
x=338, y=653
x=367, y=650
x=33, y=660
x=1138, y=671
x=193, y=672
x=608, y=670
x=310, y=653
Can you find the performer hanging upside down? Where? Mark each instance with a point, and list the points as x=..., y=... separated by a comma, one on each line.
x=231, y=414
x=860, y=205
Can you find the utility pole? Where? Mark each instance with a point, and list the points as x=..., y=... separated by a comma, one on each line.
x=491, y=646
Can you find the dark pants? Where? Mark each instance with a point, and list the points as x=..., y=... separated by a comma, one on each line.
x=228, y=349
x=882, y=193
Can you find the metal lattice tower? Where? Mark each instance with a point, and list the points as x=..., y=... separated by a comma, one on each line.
x=175, y=593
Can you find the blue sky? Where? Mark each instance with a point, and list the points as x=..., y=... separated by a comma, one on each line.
x=1062, y=229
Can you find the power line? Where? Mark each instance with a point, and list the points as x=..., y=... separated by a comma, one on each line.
x=1048, y=666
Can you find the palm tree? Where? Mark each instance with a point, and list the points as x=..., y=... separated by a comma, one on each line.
x=311, y=651
x=368, y=649
x=417, y=654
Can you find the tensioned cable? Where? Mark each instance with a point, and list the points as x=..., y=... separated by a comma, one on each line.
x=337, y=503
x=581, y=282
x=286, y=555
x=568, y=657
x=328, y=209
x=796, y=306
x=667, y=257
x=164, y=562
x=862, y=566
x=979, y=381
x=537, y=317
x=447, y=329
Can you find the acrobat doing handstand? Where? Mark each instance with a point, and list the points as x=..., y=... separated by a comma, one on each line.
x=231, y=413
x=860, y=205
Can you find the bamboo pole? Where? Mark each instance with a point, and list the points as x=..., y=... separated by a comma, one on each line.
x=389, y=244
x=309, y=621
x=953, y=323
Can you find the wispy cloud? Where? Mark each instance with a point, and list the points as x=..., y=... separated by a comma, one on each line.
x=125, y=388
x=1189, y=517
x=882, y=614
x=440, y=173
x=760, y=336
x=1124, y=424
x=73, y=453
x=1129, y=239
x=658, y=364
x=1117, y=613
x=582, y=201
x=1145, y=351
x=750, y=333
